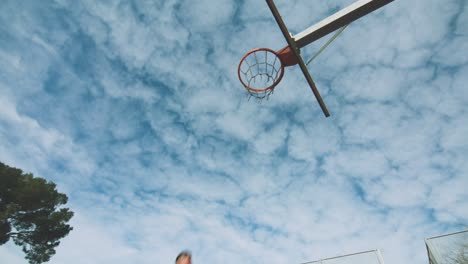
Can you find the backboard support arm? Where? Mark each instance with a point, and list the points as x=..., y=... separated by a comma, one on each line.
x=292, y=44
x=341, y=18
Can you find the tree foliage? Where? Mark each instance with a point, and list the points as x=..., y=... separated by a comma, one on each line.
x=30, y=214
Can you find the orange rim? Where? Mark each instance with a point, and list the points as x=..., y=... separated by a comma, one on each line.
x=269, y=87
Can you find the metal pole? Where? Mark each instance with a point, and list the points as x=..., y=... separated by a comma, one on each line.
x=295, y=50
x=342, y=256
x=448, y=234
x=379, y=256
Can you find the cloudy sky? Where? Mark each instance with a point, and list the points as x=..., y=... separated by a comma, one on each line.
x=134, y=109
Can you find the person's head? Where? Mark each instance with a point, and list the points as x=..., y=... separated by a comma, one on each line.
x=184, y=257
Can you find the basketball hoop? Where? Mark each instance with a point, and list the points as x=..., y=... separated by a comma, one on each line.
x=261, y=69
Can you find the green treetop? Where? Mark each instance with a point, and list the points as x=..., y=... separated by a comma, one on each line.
x=30, y=214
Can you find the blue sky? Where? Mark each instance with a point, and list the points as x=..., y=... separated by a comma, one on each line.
x=134, y=109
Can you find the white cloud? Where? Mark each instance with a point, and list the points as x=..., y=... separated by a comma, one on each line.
x=245, y=123
x=11, y=254
x=271, y=139
x=148, y=131
x=454, y=136
x=459, y=84
x=358, y=163
x=97, y=241
x=205, y=15
x=33, y=140
x=451, y=53
x=367, y=83
x=313, y=139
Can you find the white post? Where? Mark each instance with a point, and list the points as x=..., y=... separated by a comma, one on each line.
x=379, y=255
x=338, y=20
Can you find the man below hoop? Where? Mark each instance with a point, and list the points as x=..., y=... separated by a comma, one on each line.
x=184, y=257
